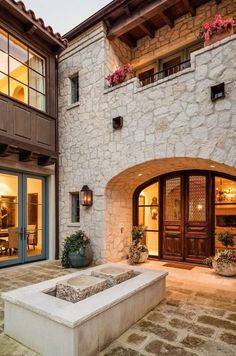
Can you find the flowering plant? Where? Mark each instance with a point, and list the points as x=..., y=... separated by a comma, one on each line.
x=74, y=243
x=216, y=26
x=119, y=75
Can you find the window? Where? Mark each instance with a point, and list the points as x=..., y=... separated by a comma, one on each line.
x=74, y=88
x=75, y=208
x=22, y=72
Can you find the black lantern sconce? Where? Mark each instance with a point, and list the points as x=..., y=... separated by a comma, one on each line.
x=117, y=123
x=218, y=91
x=86, y=196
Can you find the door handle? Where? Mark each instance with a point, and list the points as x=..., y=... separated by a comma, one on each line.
x=25, y=233
x=21, y=233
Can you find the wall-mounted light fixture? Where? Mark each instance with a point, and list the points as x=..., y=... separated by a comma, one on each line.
x=218, y=91
x=86, y=196
x=117, y=123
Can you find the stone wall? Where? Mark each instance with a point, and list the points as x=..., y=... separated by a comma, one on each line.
x=171, y=124
x=185, y=31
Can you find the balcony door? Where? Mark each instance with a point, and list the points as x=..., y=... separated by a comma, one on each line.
x=22, y=218
x=186, y=218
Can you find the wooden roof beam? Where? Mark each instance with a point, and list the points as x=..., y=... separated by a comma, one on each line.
x=129, y=40
x=166, y=19
x=138, y=17
x=148, y=29
x=189, y=6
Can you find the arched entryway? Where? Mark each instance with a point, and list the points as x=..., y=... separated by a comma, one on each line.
x=184, y=211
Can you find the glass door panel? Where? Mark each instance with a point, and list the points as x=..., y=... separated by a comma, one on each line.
x=148, y=217
x=10, y=248
x=225, y=209
x=34, y=217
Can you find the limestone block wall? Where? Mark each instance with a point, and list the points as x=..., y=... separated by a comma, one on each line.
x=166, y=123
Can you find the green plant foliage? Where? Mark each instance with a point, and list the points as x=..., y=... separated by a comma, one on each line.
x=138, y=232
x=226, y=238
x=73, y=243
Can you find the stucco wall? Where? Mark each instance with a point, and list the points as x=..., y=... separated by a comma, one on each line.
x=173, y=118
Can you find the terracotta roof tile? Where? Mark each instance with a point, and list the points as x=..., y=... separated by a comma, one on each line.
x=30, y=13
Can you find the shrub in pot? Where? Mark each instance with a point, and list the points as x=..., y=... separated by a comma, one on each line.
x=224, y=261
x=138, y=252
x=77, y=251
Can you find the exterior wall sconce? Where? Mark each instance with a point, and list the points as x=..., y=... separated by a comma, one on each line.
x=86, y=196
x=218, y=91
x=117, y=123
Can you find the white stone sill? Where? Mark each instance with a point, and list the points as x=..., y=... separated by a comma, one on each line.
x=74, y=225
x=126, y=83
x=73, y=106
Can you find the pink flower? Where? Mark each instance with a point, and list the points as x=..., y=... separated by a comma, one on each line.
x=218, y=25
x=119, y=75
x=85, y=238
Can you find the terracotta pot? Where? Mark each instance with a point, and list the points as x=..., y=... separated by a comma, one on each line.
x=218, y=37
x=227, y=270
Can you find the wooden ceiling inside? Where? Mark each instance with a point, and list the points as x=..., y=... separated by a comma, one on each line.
x=139, y=18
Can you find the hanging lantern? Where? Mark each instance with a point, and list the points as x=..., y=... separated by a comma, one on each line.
x=86, y=196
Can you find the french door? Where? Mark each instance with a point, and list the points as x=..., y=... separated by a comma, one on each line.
x=186, y=210
x=22, y=218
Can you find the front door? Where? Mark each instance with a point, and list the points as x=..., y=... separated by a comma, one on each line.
x=22, y=218
x=185, y=231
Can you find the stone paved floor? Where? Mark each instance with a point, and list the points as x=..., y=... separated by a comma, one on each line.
x=198, y=316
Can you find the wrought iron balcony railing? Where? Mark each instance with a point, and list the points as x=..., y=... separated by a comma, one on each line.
x=165, y=73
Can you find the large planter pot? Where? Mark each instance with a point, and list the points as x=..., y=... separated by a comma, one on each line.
x=218, y=37
x=82, y=258
x=227, y=269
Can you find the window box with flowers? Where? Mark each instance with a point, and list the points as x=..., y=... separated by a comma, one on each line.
x=119, y=75
x=216, y=30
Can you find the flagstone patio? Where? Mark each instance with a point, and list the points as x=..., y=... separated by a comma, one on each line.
x=198, y=316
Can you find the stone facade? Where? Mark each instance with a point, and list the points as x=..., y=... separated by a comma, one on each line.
x=169, y=125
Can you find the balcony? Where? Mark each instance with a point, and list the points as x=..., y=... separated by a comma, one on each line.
x=149, y=79
x=26, y=131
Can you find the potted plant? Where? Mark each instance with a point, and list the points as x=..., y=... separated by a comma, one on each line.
x=77, y=251
x=216, y=30
x=138, y=253
x=224, y=261
x=119, y=75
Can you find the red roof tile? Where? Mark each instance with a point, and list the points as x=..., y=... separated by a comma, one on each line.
x=19, y=5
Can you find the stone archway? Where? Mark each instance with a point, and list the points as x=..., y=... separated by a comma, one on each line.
x=119, y=197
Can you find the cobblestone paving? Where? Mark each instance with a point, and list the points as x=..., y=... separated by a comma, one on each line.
x=193, y=320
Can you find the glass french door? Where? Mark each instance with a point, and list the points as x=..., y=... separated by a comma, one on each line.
x=22, y=218
x=186, y=218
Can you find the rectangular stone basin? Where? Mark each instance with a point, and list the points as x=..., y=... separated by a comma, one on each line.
x=78, y=288
x=52, y=326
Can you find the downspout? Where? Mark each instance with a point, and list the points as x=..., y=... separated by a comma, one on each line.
x=57, y=244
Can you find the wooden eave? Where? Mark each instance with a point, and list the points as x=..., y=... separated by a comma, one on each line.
x=130, y=20
x=32, y=25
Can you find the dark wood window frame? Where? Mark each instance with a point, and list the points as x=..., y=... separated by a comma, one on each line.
x=74, y=81
x=75, y=207
x=29, y=49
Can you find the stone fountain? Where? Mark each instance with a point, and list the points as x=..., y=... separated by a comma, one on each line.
x=82, y=314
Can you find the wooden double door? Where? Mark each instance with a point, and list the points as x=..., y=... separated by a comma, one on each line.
x=186, y=217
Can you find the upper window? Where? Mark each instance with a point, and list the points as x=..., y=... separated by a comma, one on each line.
x=75, y=208
x=74, y=88
x=22, y=72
